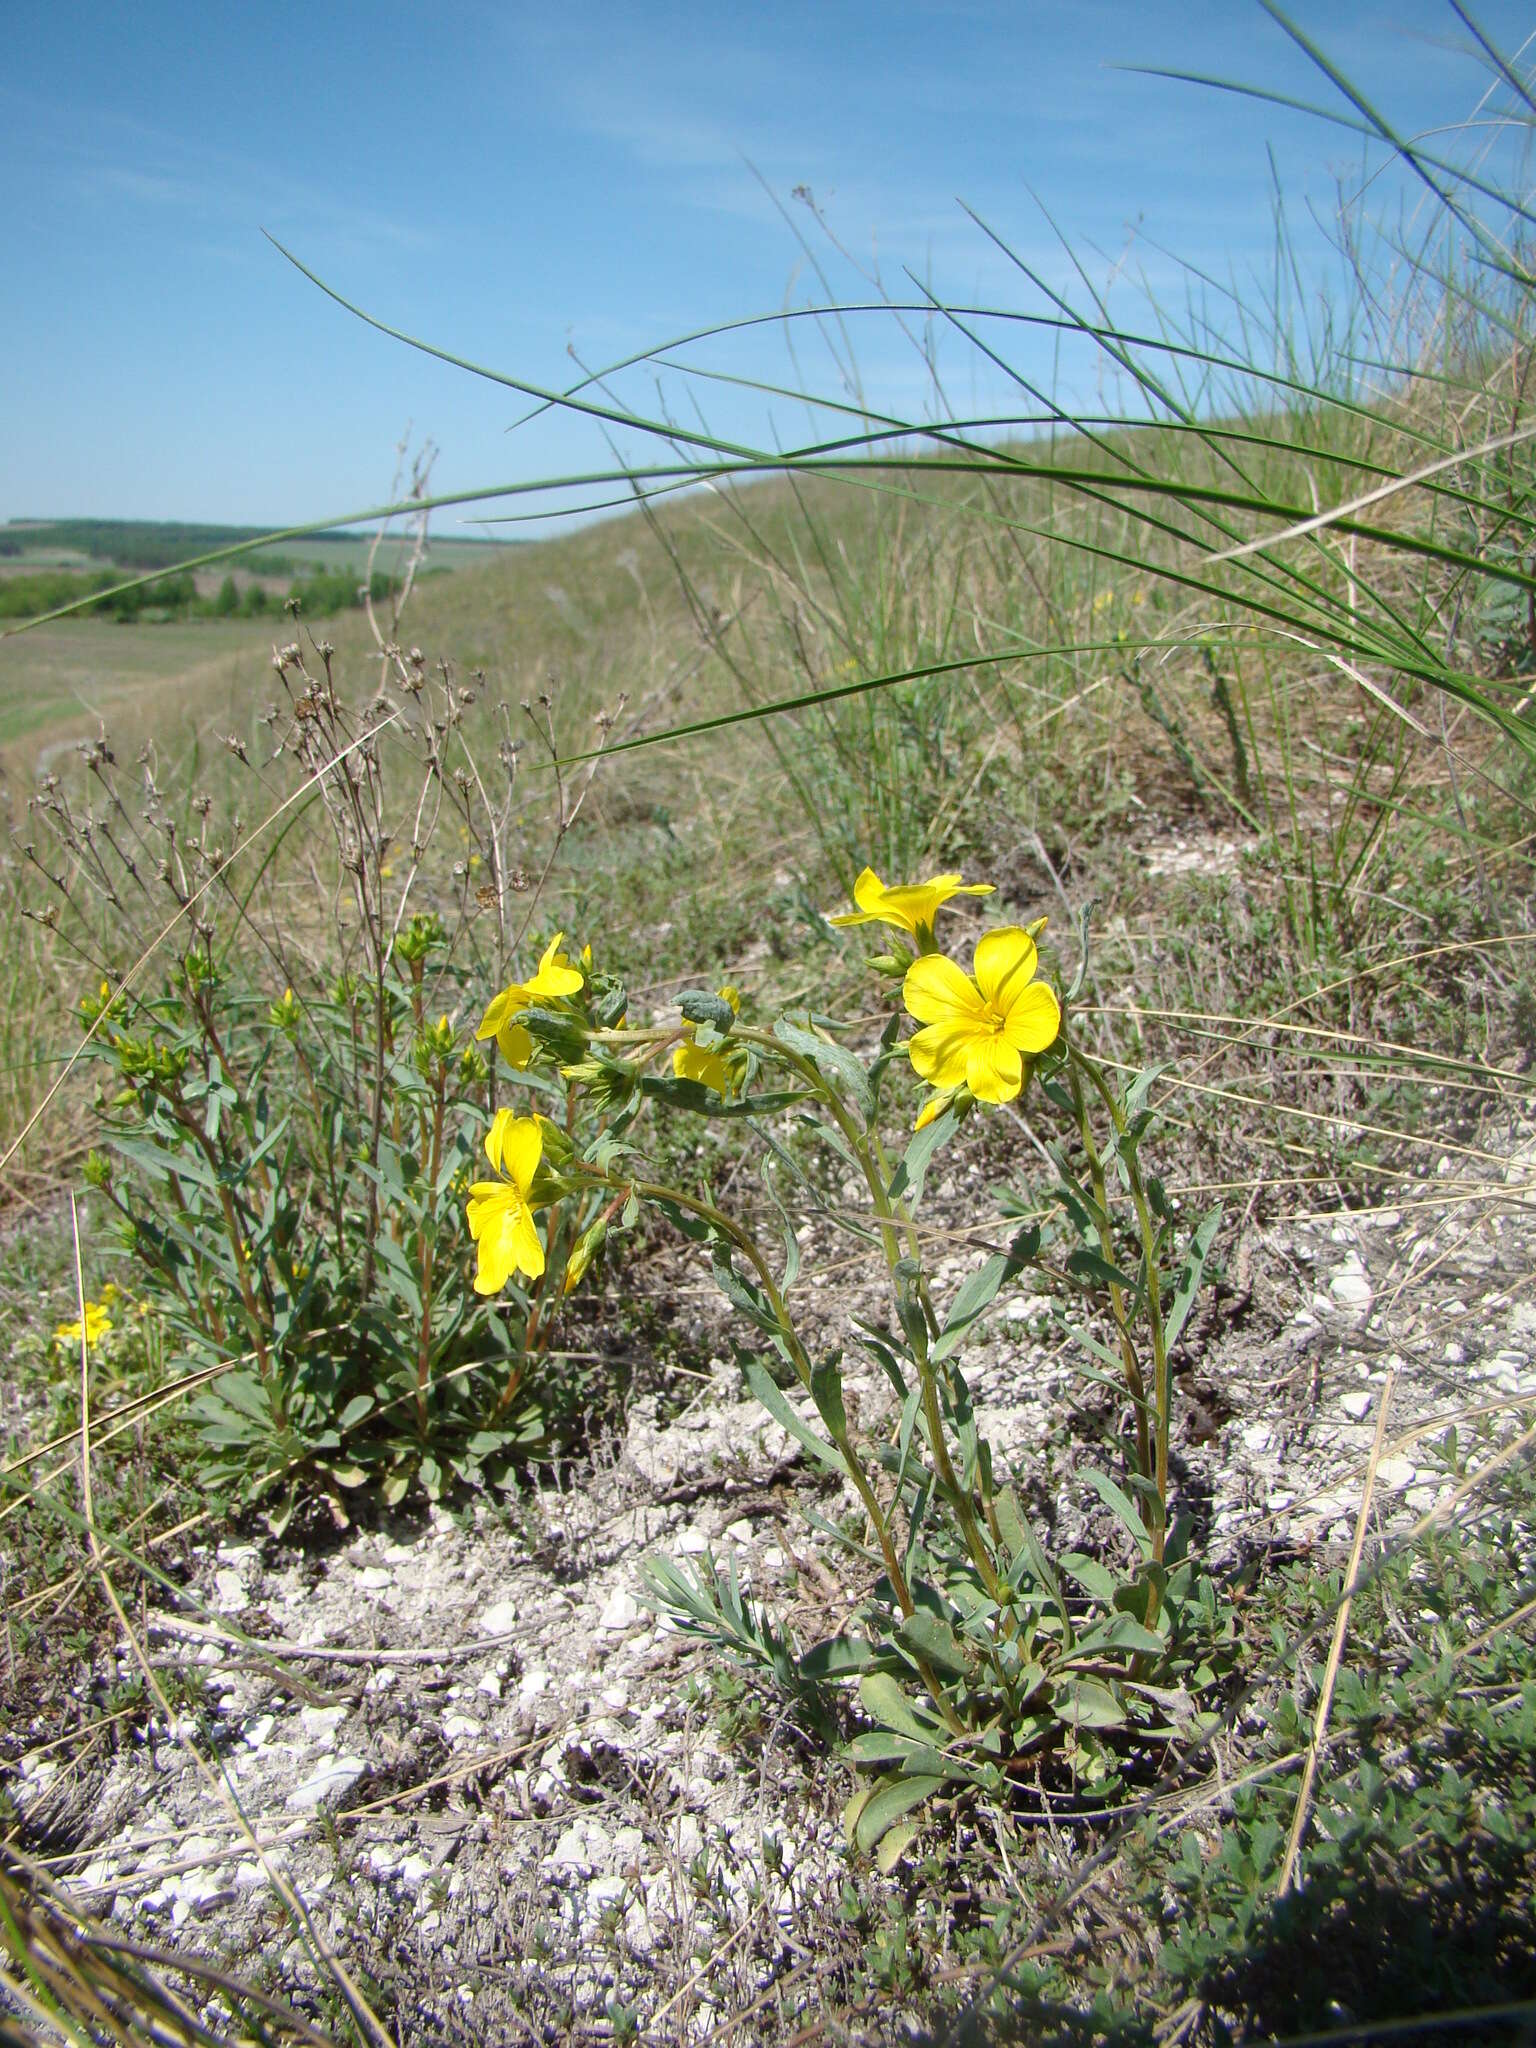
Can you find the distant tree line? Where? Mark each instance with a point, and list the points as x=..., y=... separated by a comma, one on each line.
x=141, y=544
x=320, y=595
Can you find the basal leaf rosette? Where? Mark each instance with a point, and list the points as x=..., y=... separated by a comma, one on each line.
x=980, y=1031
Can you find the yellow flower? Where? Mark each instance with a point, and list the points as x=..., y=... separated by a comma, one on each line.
x=554, y=976
x=97, y=1324
x=979, y=1033
x=500, y=1217
x=912, y=906
x=692, y=1063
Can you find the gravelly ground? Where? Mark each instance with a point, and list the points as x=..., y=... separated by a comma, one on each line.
x=496, y=1778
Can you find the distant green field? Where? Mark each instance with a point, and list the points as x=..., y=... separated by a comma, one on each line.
x=62, y=682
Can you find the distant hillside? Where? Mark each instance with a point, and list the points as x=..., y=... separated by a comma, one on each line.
x=143, y=545
x=130, y=543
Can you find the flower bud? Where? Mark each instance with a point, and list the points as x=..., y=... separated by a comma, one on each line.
x=583, y=1252
x=284, y=1015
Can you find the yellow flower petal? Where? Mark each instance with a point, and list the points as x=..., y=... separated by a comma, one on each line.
x=908, y=905
x=502, y=1225
x=556, y=976
x=496, y=1136
x=1005, y=965
x=939, y=1053
x=936, y=991
x=516, y=1043
x=506, y=1005
x=1034, y=1020
x=692, y=1063
x=993, y=1070
x=521, y=1150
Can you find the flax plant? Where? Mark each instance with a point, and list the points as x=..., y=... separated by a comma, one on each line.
x=970, y=1656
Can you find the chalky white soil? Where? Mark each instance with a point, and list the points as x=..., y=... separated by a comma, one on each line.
x=497, y=1780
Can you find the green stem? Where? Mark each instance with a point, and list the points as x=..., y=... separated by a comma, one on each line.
x=747, y=1246
x=1130, y=1362
x=1147, y=1229
x=891, y=1224
x=424, y=1336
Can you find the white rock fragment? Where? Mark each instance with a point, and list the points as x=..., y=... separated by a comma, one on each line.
x=329, y=1782
x=460, y=1727
x=691, y=1543
x=1358, y=1403
x=1395, y=1474
x=229, y=1592
x=620, y=1612
x=374, y=1579
x=321, y=1723
x=497, y=1619
x=570, y=1851
x=739, y=1532
x=1351, y=1287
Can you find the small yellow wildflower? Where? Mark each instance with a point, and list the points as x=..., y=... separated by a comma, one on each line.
x=978, y=1033
x=97, y=1324
x=691, y=1062
x=555, y=976
x=911, y=906
x=500, y=1216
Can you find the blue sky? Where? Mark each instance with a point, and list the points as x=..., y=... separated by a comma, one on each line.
x=515, y=182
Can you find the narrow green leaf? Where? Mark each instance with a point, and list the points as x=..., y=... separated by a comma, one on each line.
x=760, y=1380
x=907, y=1181
x=1116, y=1499
x=931, y=1638
x=1190, y=1275
x=883, y=1700
x=1084, y=1264
x=979, y=1292
x=890, y=1803
x=833, y=1061
x=836, y=1657
x=895, y=1844
x=1085, y=1703
x=827, y=1393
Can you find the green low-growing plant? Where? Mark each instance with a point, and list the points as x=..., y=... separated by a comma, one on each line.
x=975, y=1650
x=285, y=1140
